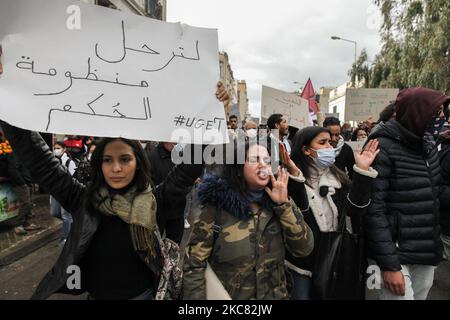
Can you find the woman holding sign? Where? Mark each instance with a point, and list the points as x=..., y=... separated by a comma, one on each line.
x=114, y=250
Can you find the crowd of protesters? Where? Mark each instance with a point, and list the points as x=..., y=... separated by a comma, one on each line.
x=260, y=223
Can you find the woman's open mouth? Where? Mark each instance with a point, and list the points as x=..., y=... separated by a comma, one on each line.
x=263, y=173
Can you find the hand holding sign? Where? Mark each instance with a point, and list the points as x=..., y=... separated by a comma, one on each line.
x=221, y=93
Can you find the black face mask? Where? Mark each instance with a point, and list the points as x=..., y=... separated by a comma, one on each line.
x=437, y=125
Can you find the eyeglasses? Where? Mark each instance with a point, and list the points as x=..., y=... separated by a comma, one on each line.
x=257, y=159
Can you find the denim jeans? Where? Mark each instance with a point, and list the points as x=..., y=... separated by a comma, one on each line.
x=301, y=289
x=418, y=282
x=59, y=212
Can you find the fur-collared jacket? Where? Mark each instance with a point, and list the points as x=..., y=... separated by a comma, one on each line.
x=246, y=249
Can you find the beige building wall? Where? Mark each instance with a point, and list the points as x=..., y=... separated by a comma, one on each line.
x=242, y=98
x=324, y=97
x=156, y=9
x=336, y=102
x=227, y=78
x=164, y=9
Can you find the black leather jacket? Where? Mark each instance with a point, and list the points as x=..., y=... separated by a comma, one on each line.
x=47, y=171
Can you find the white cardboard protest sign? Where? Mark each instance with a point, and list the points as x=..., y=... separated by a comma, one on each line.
x=360, y=104
x=296, y=109
x=75, y=68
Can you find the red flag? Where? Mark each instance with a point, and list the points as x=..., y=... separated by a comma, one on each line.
x=309, y=94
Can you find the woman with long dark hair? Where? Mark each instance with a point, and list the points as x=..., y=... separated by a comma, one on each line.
x=246, y=224
x=328, y=193
x=114, y=247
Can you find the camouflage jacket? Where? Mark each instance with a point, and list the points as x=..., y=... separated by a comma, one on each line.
x=247, y=255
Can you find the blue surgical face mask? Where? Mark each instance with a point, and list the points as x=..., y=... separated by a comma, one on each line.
x=325, y=157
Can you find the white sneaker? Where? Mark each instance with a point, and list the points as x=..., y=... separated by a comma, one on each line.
x=186, y=224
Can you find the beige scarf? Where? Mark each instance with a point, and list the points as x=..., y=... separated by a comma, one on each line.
x=138, y=210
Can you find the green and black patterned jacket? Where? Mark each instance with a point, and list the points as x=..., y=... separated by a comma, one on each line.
x=247, y=253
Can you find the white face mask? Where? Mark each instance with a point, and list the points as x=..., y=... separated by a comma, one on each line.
x=251, y=133
x=58, y=152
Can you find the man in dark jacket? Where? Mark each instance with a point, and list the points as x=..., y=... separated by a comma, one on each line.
x=12, y=170
x=21, y=181
x=402, y=224
x=444, y=155
x=279, y=122
x=344, y=153
x=160, y=166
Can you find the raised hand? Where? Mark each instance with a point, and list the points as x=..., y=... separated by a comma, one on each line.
x=221, y=93
x=365, y=158
x=279, y=192
x=287, y=161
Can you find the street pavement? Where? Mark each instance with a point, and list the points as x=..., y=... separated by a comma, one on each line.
x=19, y=280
